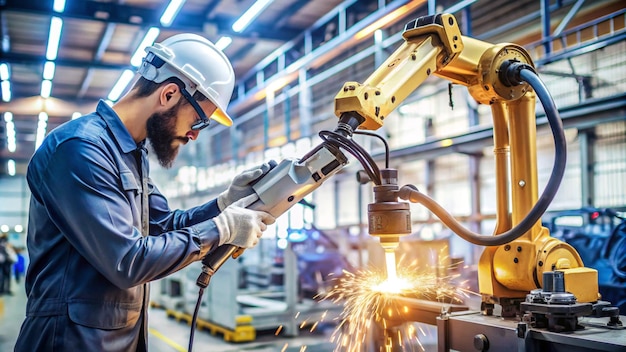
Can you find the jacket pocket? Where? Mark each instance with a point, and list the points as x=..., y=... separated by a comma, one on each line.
x=104, y=315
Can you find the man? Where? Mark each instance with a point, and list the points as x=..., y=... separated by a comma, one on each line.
x=99, y=230
x=7, y=258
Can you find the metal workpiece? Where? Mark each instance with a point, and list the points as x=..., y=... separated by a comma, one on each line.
x=398, y=309
x=472, y=331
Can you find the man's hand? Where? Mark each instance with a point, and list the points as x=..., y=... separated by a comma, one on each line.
x=240, y=226
x=240, y=186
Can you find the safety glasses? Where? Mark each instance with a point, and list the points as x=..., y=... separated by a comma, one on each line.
x=204, y=121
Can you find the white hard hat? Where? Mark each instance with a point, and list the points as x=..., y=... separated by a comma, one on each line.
x=198, y=63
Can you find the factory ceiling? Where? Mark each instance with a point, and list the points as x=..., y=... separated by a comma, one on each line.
x=44, y=84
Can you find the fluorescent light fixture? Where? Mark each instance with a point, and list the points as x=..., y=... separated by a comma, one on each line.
x=120, y=85
x=46, y=88
x=149, y=39
x=18, y=228
x=6, y=91
x=56, y=25
x=249, y=16
x=10, y=131
x=11, y=171
x=4, y=71
x=223, y=42
x=59, y=6
x=48, y=70
x=382, y=22
x=170, y=12
x=41, y=129
x=76, y=115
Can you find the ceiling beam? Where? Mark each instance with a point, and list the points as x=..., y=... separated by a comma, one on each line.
x=111, y=12
x=27, y=59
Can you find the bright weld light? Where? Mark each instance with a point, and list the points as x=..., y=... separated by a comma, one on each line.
x=59, y=6
x=170, y=12
x=390, y=260
x=46, y=88
x=48, y=70
x=6, y=91
x=121, y=84
x=223, y=42
x=4, y=72
x=11, y=171
x=149, y=39
x=56, y=25
x=250, y=15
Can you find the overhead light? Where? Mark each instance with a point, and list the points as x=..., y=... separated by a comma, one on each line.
x=59, y=6
x=76, y=115
x=249, y=16
x=11, y=142
x=18, y=228
x=223, y=42
x=11, y=171
x=149, y=39
x=56, y=25
x=6, y=91
x=46, y=88
x=41, y=129
x=10, y=131
x=170, y=12
x=382, y=22
x=120, y=85
x=4, y=71
x=48, y=70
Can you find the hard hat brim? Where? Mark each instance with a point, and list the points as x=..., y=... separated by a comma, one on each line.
x=220, y=116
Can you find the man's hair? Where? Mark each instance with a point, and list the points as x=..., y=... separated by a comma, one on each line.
x=143, y=88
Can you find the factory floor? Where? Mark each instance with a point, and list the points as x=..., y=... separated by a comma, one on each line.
x=169, y=335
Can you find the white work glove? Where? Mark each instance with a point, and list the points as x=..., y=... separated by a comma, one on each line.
x=240, y=186
x=240, y=226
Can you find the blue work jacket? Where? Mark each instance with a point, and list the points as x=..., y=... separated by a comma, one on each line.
x=92, y=246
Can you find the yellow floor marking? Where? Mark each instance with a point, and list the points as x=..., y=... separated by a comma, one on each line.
x=167, y=340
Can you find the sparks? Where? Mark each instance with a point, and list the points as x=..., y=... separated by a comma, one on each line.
x=369, y=302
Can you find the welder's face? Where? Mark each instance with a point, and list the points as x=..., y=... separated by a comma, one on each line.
x=163, y=136
x=168, y=130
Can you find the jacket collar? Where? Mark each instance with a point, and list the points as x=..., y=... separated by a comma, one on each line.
x=120, y=132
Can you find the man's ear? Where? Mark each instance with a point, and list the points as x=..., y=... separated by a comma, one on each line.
x=170, y=93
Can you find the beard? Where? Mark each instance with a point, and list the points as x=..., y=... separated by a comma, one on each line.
x=161, y=128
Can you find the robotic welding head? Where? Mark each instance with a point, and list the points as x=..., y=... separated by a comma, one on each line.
x=388, y=219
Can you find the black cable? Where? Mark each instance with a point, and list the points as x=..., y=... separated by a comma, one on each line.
x=356, y=150
x=382, y=140
x=527, y=74
x=194, y=318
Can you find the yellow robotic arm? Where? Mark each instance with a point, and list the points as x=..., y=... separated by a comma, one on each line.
x=510, y=267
